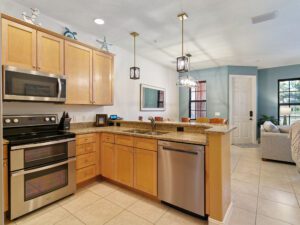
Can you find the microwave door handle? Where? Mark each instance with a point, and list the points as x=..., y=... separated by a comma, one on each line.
x=23, y=172
x=59, y=88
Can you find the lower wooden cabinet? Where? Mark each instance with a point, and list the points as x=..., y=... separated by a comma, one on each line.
x=108, y=160
x=87, y=157
x=85, y=173
x=131, y=161
x=5, y=184
x=124, y=164
x=145, y=171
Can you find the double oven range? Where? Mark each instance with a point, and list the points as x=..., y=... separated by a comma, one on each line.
x=42, y=162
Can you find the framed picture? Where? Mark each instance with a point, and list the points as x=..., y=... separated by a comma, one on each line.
x=101, y=120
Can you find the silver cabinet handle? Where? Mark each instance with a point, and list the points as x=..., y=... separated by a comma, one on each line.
x=42, y=144
x=23, y=172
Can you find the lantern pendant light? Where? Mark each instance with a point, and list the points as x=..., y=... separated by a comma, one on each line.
x=134, y=71
x=182, y=61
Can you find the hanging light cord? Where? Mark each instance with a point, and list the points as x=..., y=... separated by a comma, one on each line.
x=134, y=50
x=182, y=50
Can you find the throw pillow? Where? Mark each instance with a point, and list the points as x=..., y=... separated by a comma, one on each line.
x=284, y=129
x=270, y=127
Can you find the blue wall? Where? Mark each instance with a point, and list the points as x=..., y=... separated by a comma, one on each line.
x=268, y=87
x=217, y=88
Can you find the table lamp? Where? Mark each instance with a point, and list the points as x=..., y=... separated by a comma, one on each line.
x=285, y=112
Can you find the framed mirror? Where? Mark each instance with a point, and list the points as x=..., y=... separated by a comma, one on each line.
x=152, y=98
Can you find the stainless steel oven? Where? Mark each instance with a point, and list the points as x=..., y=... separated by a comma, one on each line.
x=30, y=85
x=41, y=173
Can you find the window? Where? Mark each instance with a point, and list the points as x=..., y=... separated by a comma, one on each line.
x=197, y=100
x=289, y=96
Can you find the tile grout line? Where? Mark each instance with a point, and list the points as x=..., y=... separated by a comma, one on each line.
x=258, y=194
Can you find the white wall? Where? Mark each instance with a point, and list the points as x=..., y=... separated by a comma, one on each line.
x=126, y=95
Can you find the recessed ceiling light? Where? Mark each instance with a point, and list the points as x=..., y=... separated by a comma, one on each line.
x=99, y=21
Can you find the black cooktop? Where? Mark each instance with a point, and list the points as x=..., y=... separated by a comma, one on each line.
x=35, y=137
x=29, y=129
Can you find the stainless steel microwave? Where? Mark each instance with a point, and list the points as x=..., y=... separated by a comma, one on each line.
x=30, y=85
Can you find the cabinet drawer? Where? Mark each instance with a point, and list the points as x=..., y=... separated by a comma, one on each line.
x=85, y=138
x=85, y=174
x=109, y=138
x=124, y=140
x=85, y=160
x=145, y=143
x=85, y=148
x=4, y=151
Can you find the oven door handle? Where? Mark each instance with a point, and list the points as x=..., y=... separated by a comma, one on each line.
x=42, y=144
x=24, y=172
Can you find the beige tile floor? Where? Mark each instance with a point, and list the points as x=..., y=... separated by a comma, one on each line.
x=263, y=193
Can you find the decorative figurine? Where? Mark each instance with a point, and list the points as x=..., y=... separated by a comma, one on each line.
x=70, y=34
x=104, y=44
x=35, y=12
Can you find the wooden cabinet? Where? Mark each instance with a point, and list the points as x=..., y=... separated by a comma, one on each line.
x=145, y=143
x=124, y=164
x=102, y=78
x=86, y=173
x=5, y=178
x=78, y=68
x=131, y=161
x=88, y=157
x=50, y=53
x=18, y=45
x=145, y=171
x=108, y=160
x=89, y=71
x=124, y=140
x=107, y=137
x=5, y=184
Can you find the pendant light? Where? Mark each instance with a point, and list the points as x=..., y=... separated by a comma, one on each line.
x=184, y=80
x=182, y=61
x=134, y=71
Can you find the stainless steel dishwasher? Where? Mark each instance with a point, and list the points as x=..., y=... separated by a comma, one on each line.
x=181, y=175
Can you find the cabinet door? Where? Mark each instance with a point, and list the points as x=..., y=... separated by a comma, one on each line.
x=78, y=68
x=102, y=78
x=18, y=45
x=124, y=164
x=107, y=160
x=5, y=184
x=145, y=171
x=50, y=53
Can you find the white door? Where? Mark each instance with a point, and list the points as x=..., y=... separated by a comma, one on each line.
x=243, y=108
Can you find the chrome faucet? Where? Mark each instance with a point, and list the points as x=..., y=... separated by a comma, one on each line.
x=153, y=124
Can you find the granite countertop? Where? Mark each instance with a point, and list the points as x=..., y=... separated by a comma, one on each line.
x=187, y=137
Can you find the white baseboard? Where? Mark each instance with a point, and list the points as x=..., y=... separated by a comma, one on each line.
x=225, y=220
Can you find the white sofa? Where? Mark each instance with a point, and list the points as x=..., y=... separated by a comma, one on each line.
x=275, y=146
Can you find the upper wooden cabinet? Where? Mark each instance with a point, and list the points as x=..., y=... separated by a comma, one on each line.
x=18, y=45
x=89, y=71
x=50, y=53
x=78, y=68
x=102, y=78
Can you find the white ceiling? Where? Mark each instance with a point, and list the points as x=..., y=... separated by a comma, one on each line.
x=218, y=32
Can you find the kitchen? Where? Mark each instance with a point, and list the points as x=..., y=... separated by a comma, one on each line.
x=123, y=153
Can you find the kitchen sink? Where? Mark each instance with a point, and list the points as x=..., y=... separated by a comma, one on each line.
x=147, y=132
x=155, y=133
x=136, y=131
